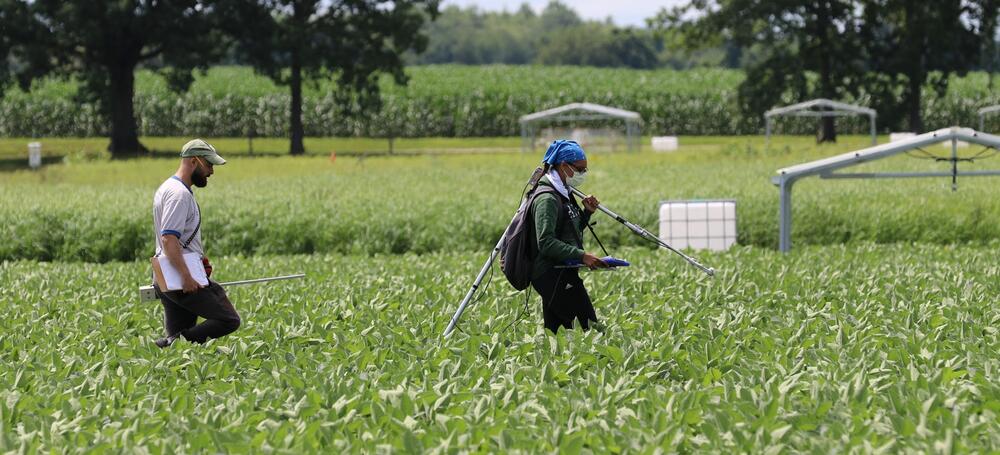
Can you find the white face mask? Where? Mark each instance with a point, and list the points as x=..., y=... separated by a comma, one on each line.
x=577, y=179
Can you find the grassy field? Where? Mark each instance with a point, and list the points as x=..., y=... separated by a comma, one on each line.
x=878, y=333
x=829, y=349
x=98, y=211
x=81, y=149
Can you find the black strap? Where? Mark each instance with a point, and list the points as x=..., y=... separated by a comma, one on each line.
x=560, y=216
x=591, y=227
x=196, y=228
x=579, y=240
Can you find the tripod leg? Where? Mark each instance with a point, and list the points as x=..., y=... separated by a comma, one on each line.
x=472, y=290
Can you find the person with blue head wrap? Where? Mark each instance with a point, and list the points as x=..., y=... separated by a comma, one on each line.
x=559, y=223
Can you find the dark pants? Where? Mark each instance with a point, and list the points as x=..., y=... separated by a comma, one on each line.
x=564, y=299
x=181, y=312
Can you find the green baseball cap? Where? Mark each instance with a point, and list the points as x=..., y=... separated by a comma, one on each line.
x=198, y=147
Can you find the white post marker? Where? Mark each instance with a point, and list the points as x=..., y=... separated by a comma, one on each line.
x=146, y=293
x=34, y=155
x=664, y=143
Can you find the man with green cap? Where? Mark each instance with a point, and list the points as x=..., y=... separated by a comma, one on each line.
x=177, y=229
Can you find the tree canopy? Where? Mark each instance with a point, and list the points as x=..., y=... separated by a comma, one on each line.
x=555, y=36
x=101, y=42
x=292, y=41
x=886, y=50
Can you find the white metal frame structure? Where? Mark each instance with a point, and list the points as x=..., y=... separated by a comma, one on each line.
x=825, y=168
x=578, y=112
x=827, y=108
x=984, y=111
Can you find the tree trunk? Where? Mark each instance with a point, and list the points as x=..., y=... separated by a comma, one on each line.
x=827, y=130
x=124, y=131
x=827, y=127
x=914, y=119
x=297, y=147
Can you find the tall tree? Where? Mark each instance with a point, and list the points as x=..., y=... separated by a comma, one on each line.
x=291, y=41
x=557, y=15
x=914, y=43
x=593, y=44
x=9, y=18
x=794, y=38
x=101, y=42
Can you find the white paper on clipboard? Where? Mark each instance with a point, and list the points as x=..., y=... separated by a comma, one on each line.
x=172, y=277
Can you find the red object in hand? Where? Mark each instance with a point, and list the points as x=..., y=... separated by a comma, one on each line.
x=208, y=266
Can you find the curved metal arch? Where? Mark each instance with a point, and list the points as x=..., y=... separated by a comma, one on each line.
x=825, y=168
x=831, y=109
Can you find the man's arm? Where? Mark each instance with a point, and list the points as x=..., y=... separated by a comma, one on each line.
x=172, y=250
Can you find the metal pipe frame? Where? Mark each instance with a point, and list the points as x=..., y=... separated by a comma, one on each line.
x=825, y=168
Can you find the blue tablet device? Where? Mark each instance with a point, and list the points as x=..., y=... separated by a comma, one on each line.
x=610, y=261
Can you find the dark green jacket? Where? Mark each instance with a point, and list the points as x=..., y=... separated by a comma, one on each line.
x=556, y=245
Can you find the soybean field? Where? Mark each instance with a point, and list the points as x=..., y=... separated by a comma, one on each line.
x=862, y=348
x=877, y=333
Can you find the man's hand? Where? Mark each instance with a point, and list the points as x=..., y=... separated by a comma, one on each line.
x=593, y=262
x=189, y=285
x=590, y=203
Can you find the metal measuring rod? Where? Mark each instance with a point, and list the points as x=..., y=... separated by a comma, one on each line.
x=146, y=293
x=642, y=232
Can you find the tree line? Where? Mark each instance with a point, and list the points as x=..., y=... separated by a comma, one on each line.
x=886, y=52
x=101, y=43
x=555, y=36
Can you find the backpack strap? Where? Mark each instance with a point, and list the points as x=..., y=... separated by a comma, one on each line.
x=561, y=213
x=190, y=238
x=197, y=227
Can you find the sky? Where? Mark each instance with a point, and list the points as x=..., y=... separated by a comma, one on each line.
x=622, y=12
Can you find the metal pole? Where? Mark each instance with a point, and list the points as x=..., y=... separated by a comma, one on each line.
x=524, y=137
x=641, y=232
x=874, y=134
x=954, y=164
x=263, y=280
x=981, y=122
x=767, y=132
x=785, y=217
x=472, y=290
x=146, y=292
x=489, y=262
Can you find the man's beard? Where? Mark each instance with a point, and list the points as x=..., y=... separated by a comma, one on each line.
x=198, y=179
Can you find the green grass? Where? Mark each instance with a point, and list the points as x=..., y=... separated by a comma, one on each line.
x=99, y=211
x=15, y=148
x=829, y=349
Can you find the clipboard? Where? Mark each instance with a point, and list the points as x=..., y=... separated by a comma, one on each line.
x=169, y=279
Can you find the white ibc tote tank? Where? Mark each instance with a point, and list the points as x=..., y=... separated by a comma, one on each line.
x=699, y=224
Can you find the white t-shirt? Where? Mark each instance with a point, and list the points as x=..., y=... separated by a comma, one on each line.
x=176, y=213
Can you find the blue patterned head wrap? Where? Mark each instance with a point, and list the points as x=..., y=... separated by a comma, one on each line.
x=562, y=151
